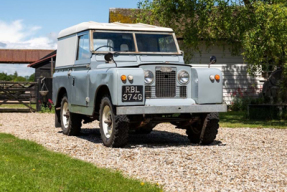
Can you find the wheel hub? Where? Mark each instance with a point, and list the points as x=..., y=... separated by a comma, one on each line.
x=66, y=115
x=107, y=122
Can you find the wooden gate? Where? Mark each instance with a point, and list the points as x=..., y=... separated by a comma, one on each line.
x=18, y=96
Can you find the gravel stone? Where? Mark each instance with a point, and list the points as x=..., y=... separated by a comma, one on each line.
x=238, y=160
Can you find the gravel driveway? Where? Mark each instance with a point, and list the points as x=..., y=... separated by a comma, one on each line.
x=239, y=159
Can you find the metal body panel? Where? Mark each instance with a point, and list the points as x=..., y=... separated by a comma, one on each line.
x=61, y=80
x=99, y=78
x=170, y=102
x=66, y=50
x=80, y=87
x=135, y=110
x=138, y=76
x=203, y=89
x=159, y=58
x=122, y=58
x=112, y=26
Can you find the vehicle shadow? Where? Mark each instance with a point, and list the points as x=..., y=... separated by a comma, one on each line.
x=92, y=135
x=156, y=139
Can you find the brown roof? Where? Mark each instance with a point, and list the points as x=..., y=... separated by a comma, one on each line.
x=45, y=58
x=122, y=15
x=22, y=55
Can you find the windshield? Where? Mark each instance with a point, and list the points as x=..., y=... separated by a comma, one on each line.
x=124, y=42
x=107, y=41
x=155, y=43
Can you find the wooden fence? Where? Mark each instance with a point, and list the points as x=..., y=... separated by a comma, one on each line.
x=17, y=94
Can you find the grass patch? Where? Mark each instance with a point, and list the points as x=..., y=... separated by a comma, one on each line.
x=17, y=106
x=237, y=119
x=27, y=166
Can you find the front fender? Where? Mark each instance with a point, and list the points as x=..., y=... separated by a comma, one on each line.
x=203, y=90
x=112, y=79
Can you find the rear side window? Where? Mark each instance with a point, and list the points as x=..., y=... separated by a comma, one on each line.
x=83, y=47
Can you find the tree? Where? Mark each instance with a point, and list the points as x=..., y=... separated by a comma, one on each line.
x=257, y=26
x=32, y=78
x=15, y=75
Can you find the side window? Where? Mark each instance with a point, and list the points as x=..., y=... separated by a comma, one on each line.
x=83, y=47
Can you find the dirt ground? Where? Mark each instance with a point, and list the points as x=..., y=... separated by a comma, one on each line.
x=239, y=160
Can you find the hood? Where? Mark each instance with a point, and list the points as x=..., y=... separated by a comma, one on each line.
x=137, y=60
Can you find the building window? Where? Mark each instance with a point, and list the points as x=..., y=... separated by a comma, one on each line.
x=83, y=47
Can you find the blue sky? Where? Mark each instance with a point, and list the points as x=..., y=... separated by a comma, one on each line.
x=34, y=24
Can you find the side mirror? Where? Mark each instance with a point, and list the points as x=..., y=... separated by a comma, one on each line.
x=212, y=59
x=109, y=57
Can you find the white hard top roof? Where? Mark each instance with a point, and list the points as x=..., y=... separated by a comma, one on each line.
x=111, y=26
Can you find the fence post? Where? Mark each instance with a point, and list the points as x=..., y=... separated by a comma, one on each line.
x=38, y=107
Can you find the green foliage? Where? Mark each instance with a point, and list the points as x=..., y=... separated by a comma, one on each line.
x=257, y=26
x=266, y=41
x=27, y=166
x=32, y=78
x=241, y=103
x=238, y=119
x=15, y=77
x=5, y=77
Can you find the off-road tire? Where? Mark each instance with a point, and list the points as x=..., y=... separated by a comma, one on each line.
x=147, y=129
x=120, y=126
x=58, y=118
x=74, y=122
x=211, y=130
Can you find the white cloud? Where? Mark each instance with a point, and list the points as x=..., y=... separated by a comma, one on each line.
x=22, y=70
x=16, y=35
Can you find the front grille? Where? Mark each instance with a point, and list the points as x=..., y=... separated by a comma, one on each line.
x=165, y=83
x=150, y=92
x=182, y=91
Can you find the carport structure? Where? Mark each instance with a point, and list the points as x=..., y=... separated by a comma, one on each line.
x=19, y=92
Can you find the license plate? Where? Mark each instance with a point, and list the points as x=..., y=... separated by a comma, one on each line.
x=132, y=93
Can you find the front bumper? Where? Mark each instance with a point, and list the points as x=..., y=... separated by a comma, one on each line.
x=138, y=110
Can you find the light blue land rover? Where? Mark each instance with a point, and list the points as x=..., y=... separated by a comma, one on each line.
x=131, y=77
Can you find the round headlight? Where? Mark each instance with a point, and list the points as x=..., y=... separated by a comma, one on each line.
x=183, y=77
x=148, y=77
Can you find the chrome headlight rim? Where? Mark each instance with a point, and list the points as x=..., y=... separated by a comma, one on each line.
x=181, y=75
x=148, y=77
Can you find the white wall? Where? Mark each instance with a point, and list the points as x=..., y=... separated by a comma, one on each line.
x=236, y=80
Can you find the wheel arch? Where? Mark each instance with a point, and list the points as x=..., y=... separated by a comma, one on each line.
x=101, y=91
x=61, y=92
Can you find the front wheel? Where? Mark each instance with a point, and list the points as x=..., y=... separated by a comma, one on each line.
x=211, y=129
x=70, y=122
x=114, y=128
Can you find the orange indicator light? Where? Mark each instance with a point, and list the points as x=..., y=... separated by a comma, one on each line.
x=217, y=77
x=123, y=78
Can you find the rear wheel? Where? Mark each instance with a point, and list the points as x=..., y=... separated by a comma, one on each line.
x=70, y=122
x=114, y=128
x=211, y=129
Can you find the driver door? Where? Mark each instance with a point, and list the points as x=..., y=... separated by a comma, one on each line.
x=80, y=75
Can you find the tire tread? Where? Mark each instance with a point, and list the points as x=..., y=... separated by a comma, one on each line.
x=210, y=132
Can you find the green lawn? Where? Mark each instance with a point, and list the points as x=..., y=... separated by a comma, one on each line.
x=27, y=166
x=234, y=119
x=17, y=106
